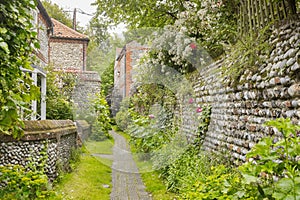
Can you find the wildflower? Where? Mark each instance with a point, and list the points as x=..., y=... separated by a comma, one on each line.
x=193, y=46
x=199, y=110
x=151, y=116
x=191, y=100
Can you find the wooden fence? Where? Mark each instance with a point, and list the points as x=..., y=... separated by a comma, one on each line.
x=256, y=14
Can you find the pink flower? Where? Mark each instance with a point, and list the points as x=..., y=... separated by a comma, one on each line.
x=199, y=110
x=151, y=116
x=191, y=100
x=193, y=46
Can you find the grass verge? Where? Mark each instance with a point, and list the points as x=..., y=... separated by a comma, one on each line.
x=92, y=177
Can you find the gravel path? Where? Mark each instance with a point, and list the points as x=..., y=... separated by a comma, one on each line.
x=126, y=180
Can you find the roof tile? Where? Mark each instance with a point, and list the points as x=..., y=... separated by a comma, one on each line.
x=62, y=31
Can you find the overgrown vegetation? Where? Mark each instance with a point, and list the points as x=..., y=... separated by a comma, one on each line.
x=29, y=182
x=17, y=41
x=98, y=115
x=60, y=86
x=247, y=55
x=21, y=183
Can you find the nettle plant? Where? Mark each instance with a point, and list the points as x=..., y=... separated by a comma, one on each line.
x=274, y=164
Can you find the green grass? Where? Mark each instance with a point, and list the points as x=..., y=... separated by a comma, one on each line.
x=88, y=180
x=102, y=147
x=156, y=187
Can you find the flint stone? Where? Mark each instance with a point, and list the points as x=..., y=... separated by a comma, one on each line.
x=294, y=90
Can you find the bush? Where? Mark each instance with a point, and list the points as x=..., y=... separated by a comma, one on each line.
x=19, y=183
x=271, y=172
x=58, y=99
x=101, y=125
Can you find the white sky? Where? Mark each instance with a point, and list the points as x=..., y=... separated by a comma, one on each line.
x=84, y=5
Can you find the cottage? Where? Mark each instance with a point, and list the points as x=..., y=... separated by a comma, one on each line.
x=68, y=48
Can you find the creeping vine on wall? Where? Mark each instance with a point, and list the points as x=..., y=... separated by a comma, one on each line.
x=17, y=40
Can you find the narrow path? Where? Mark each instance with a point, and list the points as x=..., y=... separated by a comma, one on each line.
x=126, y=180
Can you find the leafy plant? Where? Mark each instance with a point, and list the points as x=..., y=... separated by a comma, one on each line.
x=29, y=182
x=273, y=166
x=60, y=86
x=101, y=125
x=221, y=182
x=247, y=54
x=107, y=79
x=204, y=120
x=17, y=41
x=20, y=183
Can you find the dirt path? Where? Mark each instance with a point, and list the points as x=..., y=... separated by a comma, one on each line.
x=126, y=180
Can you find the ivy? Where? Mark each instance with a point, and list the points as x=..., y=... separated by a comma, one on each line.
x=16, y=46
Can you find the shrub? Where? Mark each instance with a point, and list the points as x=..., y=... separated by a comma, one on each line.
x=273, y=164
x=101, y=125
x=19, y=183
x=58, y=99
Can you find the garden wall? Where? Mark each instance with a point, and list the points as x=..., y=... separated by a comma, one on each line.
x=49, y=140
x=83, y=129
x=239, y=112
x=87, y=86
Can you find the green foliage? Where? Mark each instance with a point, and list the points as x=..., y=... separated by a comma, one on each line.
x=101, y=56
x=17, y=41
x=59, y=92
x=149, y=133
x=58, y=13
x=247, y=54
x=204, y=120
x=140, y=13
x=101, y=125
x=29, y=182
x=107, y=79
x=23, y=184
x=221, y=182
x=273, y=166
x=213, y=24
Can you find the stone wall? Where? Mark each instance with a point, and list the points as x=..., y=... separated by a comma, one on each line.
x=68, y=54
x=51, y=140
x=87, y=86
x=238, y=113
x=43, y=38
x=83, y=129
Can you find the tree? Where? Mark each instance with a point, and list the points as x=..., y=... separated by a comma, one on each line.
x=16, y=46
x=100, y=56
x=143, y=13
x=57, y=13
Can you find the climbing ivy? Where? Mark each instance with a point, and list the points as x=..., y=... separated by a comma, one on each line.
x=17, y=41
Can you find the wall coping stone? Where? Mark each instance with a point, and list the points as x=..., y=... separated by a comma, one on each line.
x=43, y=129
x=83, y=124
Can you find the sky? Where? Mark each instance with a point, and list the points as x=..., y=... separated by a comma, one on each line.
x=84, y=5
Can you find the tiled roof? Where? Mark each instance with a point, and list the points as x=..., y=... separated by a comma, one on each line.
x=62, y=31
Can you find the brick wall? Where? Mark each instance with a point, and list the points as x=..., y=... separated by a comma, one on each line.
x=238, y=113
x=126, y=60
